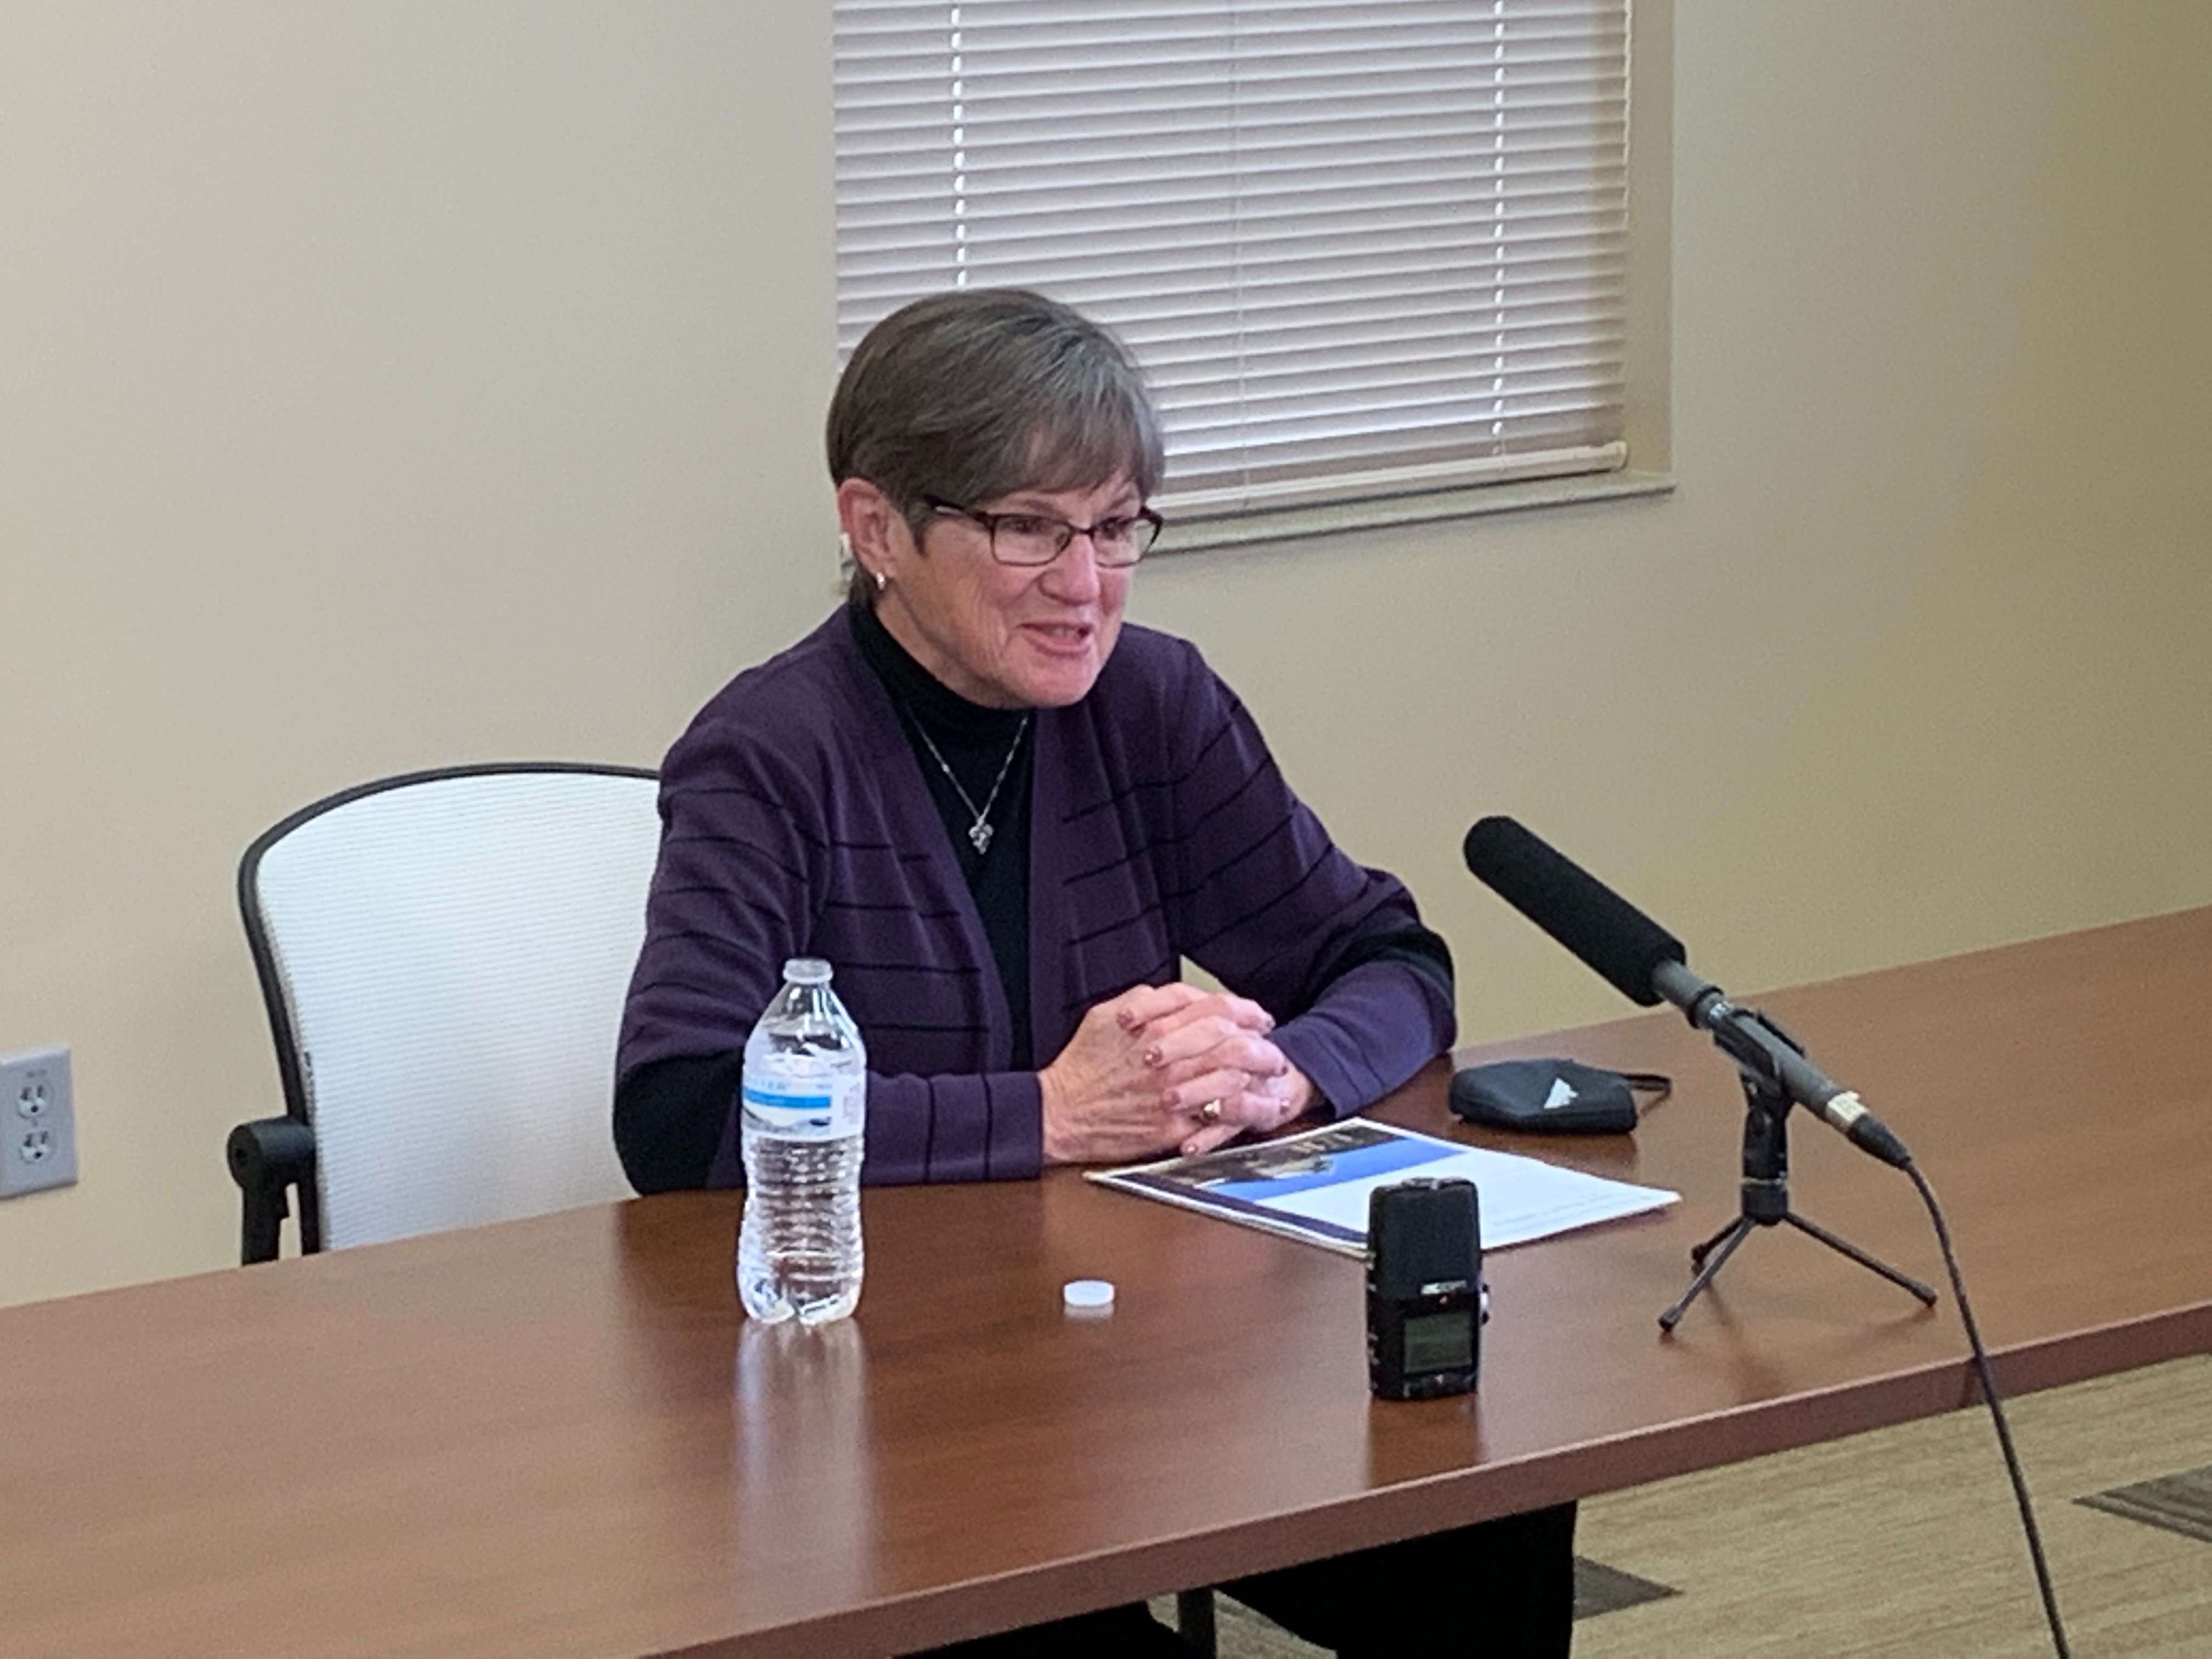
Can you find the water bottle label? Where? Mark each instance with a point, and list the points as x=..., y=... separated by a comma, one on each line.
x=811, y=1114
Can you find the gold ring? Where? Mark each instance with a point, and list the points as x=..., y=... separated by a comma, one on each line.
x=1210, y=1113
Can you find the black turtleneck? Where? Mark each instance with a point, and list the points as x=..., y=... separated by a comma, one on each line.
x=977, y=743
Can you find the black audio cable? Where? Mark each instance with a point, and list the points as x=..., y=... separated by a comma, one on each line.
x=1989, y=1381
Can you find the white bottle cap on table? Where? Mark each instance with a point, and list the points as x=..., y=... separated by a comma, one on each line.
x=1087, y=1294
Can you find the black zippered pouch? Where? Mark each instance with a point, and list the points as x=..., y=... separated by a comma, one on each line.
x=1554, y=1097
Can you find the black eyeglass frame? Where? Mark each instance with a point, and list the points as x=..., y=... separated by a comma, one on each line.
x=991, y=521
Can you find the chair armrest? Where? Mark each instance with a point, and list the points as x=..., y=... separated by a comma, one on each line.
x=267, y=1157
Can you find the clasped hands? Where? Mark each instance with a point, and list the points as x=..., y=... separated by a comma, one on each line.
x=1164, y=1067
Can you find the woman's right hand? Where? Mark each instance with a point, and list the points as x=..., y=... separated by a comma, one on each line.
x=1108, y=1098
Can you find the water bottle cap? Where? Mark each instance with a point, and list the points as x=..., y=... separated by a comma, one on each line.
x=1087, y=1294
x=807, y=970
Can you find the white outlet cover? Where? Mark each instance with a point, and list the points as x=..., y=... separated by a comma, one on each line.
x=38, y=1122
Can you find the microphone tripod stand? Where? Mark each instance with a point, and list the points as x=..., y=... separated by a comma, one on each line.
x=1766, y=1196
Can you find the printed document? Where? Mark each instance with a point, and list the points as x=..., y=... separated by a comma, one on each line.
x=1314, y=1185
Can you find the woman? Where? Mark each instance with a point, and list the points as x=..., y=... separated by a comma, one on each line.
x=1005, y=817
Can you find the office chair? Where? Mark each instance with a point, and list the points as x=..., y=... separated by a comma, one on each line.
x=443, y=957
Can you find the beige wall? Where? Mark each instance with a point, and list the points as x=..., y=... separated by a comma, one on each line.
x=391, y=384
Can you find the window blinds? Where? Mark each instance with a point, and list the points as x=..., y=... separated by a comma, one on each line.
x=1360, y=249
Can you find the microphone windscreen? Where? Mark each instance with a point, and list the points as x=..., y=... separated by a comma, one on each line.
x=1603, y=929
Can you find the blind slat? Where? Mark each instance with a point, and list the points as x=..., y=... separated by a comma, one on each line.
x=1378, y=191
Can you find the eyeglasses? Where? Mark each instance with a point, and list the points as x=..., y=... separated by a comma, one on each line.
x=1033, y=539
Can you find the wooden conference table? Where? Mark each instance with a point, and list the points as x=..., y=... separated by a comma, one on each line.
x=559, y=1436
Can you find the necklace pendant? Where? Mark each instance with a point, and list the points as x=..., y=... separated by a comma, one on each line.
x=979, y=832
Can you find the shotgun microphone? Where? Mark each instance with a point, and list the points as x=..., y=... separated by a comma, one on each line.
x=1602, y=929
x=1646, y=963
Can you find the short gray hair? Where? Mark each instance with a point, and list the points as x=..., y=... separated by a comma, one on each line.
x=974, y=394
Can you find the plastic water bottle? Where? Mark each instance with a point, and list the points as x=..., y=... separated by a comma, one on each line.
x=804, y=1104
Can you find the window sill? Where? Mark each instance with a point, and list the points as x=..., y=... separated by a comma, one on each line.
x=1196, y=534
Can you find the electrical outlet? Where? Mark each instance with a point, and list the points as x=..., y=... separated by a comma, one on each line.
x=37, y=1147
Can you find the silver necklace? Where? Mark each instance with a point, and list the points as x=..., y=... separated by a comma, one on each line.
x=979, y=832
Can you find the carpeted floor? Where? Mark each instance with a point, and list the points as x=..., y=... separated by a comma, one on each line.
x=1905, y=1544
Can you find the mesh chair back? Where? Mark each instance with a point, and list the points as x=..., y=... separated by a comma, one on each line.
x=444, y=958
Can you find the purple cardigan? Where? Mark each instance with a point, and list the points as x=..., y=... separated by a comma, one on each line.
x=796, y=822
